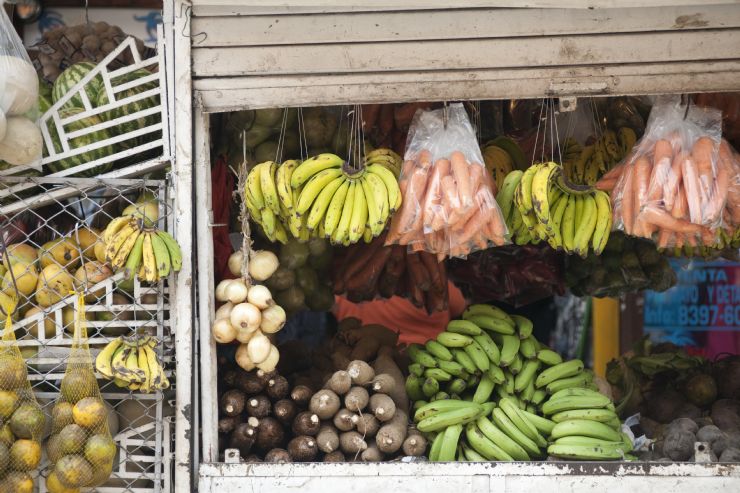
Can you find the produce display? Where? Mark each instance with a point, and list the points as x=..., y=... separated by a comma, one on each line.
x=133, y=243
x=365, y=272
x=132, y=364
x=486, y=389
x=627, y=264
x=586, y=164
x=448, y=198
x=540, y=206
x=249, y=315
x=80, y=448
x=681, y=185
x=502, y=156
x=324, y=197
x=21, y=418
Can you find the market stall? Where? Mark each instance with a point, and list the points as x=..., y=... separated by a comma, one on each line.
x=267, y=57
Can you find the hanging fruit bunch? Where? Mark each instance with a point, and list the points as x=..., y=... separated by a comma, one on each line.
x=541, y=205
x=132, y=363
x=586, y=164
x=133, y=242
x=249, y=315
x=324, y=197
x=502, y=156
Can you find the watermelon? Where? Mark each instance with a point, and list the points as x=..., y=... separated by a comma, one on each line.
x=81, y=141
x=71, y=76
x=132, y=107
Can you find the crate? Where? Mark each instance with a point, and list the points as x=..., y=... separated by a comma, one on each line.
x=128, y=150
x=45, y=335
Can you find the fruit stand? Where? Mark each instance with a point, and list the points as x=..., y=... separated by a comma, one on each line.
x=247, y=58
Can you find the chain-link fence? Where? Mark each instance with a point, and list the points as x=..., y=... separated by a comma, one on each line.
x=52, y=236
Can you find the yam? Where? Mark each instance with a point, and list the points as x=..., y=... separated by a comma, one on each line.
x=385, y=364
x=382, y=406
x=366, y=424
x=360, y=372
x=683, y=424
x=366, y=349
x=356, y=399
x=679, y=445
x=301, y=395
x=270, y=434
x=390, y=436
x=730, y=454
x=414, y=445
x=351, y=442
x=371, y=454
x=232, y=402
x=249, y=382
x=285, y=410
x=726, y=414
x=303, y=448
x=709, y=434
x=324, y=404
x=277, y=388
x=258, y=406
x=383, y=384
x=340, y=382
x=227, y=424
x=306, y=423
x=343, y=420
x=278, y=456
x=327, y=439
x=336, y=456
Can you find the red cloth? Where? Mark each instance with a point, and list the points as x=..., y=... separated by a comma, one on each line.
x=399, y=314
x=222, y=187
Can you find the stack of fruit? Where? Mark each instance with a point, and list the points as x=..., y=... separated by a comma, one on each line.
x=628, y=264
x=249, y=315
x=502, y=156
x=585, y=165
x=132, y=364
x=489, y=364
x=132, y=242
x=539, y=206
x=324, y=197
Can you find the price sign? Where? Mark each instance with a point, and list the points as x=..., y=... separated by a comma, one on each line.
x=707, y=297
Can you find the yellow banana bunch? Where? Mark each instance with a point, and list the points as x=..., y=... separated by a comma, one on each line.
x=591, y=162
x=132, y=363
x=498, y=162
x=538, y=206
x=322, y=197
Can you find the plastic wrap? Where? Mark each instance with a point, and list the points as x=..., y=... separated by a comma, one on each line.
x=517, y=275
x=448, y=196
x=21, y=142
x=675, y=186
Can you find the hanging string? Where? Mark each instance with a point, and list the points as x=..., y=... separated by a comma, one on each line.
x=281, y=137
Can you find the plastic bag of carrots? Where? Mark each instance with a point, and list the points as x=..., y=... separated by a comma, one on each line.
x=681, y=184
x=448, y=207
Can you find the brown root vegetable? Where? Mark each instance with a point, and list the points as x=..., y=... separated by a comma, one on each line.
x=327, y=439
x=414, y=445
x=253, y=422
x=679, y=445
x=229, y=378
x=278, y=456
x=340, y=382
x=371, y=454
x=303, y=448
x=382, y=406
x=360, y=372
x=242, y=438
x=277, y=388
x=366, y=424
x=664, y=406
x=701, y=390
x=249, y=382
x=726, y=414
x=258, y=406
x=252, y=458
x=270, y=434
x=366, y=349
x=730, y=454
x=336, y=456
x=383, y=384
x=391, y=435
x=684, y=424
x=306, y=423
x=232, y=402
x=385, y=364
x=709, y=434
x=343, y=420
x=265, y=376
x=301, y=394
x=284, y=411
x=351, y=442
x=227, y=424
x=324, y=404
x=356, y=399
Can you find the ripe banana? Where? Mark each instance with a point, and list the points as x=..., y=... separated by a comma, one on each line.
x=314, y=166
x=103, y=359
x=267, y=185
x=342, y=230
x=253, y=186
x=567, y=225
x=381, y=200
x=149, y=263
x=114, y=227
x=603, y=222
x=585, y=228
x=323, y=201
x=541, y=187
x=391, y=185
x=314, y=187
x=358, y=219
x=282, y=183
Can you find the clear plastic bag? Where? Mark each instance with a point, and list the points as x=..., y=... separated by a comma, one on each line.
x=448, y=207
x=674, y=186
x=21, y=142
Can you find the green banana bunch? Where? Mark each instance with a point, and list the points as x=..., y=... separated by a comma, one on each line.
x=486, y=389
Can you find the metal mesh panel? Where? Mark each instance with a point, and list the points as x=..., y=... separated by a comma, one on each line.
x=138, y=421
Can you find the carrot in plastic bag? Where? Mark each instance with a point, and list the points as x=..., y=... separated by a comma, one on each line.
x=702, y=154
x=641, y=181
x=450, y=199
x=665, y=238
x=692, y=189
x=627, y=201
x=461, y=172
x=432, y=208
x=662, y=219
x=610, y=179
x=662, y=159
x=670, y=184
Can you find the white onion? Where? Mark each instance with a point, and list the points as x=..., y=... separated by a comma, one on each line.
x=245, y=335
x=270, y=363
x=263, y=264
x=258, y=348
x=260, y=296
x=236, y=260
x=224, y=311
x=246, y=316
x=236, y=291
x=223, y=332
x=242, y=358
x=221, y=290
x=273, y=319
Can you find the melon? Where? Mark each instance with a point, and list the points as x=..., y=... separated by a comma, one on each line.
x=22, y=143
x=131, y=107
x=81, y=141
x=70, y=77
x=19, y=85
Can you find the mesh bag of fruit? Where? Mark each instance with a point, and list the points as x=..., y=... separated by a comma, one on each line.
x=80, y=448
x=21, y=417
